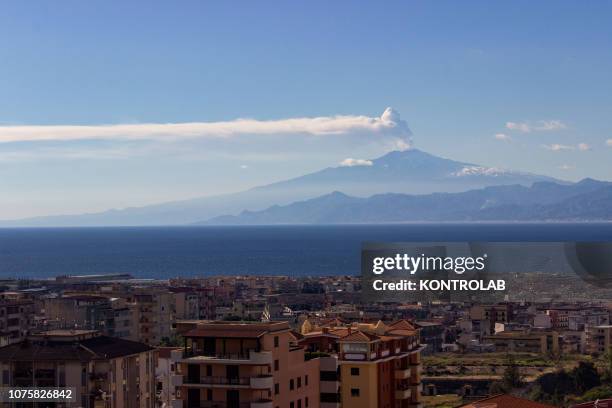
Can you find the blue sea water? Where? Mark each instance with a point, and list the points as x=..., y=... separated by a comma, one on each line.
x=164, y=252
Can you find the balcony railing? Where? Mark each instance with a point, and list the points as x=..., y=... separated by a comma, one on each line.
x=256, y=381
x=252, y=356
x=217, y=380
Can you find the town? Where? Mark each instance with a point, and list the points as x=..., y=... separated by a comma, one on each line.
x=303, y=342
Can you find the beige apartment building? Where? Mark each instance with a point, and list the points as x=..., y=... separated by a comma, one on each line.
x=104, y=372
x=109, y=315
x=153, y=314
x=16, y=318
x=543, y=342
x=598, y=339
x=246, y=365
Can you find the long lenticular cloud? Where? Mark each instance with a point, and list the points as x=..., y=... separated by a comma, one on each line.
x=388, y=123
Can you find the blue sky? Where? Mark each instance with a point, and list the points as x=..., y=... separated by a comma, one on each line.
x=522, y=85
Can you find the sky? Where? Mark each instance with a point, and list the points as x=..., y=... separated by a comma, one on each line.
x=111, y=104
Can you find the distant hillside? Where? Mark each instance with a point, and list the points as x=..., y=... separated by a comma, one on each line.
x=410, y=172
x=588, y=200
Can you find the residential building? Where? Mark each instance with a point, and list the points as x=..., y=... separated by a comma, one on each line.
x=379, y=364
x=529, y=341
x=167, y=377
x=381, y=367
x=110, y=316
x=16, y=318
x=153, y=314
x=598, y=339
x=254, y=365
x=105, y=372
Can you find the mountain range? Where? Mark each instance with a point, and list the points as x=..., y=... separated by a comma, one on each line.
x=397, y=177
x=588, y=200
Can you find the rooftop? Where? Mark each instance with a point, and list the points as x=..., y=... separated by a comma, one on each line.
x=236, y=329
x=92, y=348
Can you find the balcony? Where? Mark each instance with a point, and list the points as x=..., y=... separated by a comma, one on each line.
x=402, y=373
x=329, y=387
x=256, y=382
x=329, y=405
x=402, y=394
x=252, y=357
x=261, y=404
x=262, y=382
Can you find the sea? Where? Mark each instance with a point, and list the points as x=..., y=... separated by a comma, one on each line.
x=166, y=252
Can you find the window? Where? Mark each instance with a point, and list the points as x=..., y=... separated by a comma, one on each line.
x=354, y=370
x=275, y=365
x=306, y=400
x=354, y=392
x=299, y=383
x=276, y=389
x=299, y=403
x=275, y=341
x=291, y=384
x=292, y=404
x=306, y=380
x=209, y=394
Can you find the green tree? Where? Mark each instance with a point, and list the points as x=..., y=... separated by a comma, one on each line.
x=497, y=387
x=512, y=375
x=585, y=377
x=607, y=370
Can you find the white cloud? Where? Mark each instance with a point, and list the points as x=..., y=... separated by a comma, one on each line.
x=584, y=147
x=567, y=167
x=540, y=126
x=556, y=147
x=244, y=166
x=388, y=124
x=479, y=171
x=521, y=127
x=502, y=136
x=355, y=162
x=545, y=125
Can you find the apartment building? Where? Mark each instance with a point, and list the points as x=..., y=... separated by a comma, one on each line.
x=598, y=339
x=194, y=302
x=167, y=379
x=16, y=318
x=528, y=341
x=381, y=367
x=379, y=364
x=110, y=316
x=491, y=314
x=153, y=314
x=105, y=372
x=254, y=365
